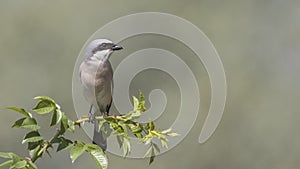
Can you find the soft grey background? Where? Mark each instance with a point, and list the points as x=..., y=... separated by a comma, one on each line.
x=258, y=42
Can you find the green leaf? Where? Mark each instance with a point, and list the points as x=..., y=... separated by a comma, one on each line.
x=139, y=135
x=110, y=119
x=98, y=155
x=56, y=117
x=26, y=123
x=164, y=143
x=44, y=98
x=77, y=150
x=18, y=123
x=155, y=133
x=32, y=136
x=119, y=128
x=152, y=158
x=6, y=163
x=14, y=157
x=6, y=154
x=71, y=126
x=156, y=147
x=148, y=141
x=151, y=125
x=64, y=144
x=126, y=146
x=19, y=164
x=20, y=110
x=135, y=115
x=33, y=145
x=66, y=124
x=62, y=129
x=44, y=106
x=55, y=140
x=128, y=115
x=146, y=126
x=138, y=106
x=135, y=103
x=135, y=128
x=33, y=152
x=148, y=151
x=123, y=128
x=141, y=105
x=32, y=165
x=166, y=131
x=173, y=134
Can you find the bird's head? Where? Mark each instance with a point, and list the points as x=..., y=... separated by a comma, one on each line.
x=100, y=49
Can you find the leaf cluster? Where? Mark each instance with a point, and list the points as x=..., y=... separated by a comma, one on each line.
x=120, y=126
x=125, y=125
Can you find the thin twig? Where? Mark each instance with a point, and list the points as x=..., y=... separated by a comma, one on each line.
x=86, y=119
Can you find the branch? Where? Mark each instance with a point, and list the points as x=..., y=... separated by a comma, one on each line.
x=120, y=126
x=86, y=119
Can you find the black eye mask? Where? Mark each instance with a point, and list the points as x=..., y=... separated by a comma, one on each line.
x=104, y=46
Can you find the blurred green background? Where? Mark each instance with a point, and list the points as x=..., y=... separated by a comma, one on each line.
x=259, y=45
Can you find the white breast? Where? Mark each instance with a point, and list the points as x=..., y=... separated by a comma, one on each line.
x=96, y=78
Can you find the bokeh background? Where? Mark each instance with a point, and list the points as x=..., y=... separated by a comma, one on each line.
x=259, y=45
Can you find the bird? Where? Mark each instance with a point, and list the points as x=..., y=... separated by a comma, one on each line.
x=96, y=76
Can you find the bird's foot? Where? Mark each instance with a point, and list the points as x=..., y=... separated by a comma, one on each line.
x=91, y=117
x=105, y=115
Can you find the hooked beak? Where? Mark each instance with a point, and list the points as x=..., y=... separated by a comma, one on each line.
x=116, y=47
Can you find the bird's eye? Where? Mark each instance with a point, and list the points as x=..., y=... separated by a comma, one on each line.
x=102, y=46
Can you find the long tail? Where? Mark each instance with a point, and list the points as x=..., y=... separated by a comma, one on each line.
x=98, y=138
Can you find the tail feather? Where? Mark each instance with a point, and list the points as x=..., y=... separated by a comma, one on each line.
x=98, y=138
